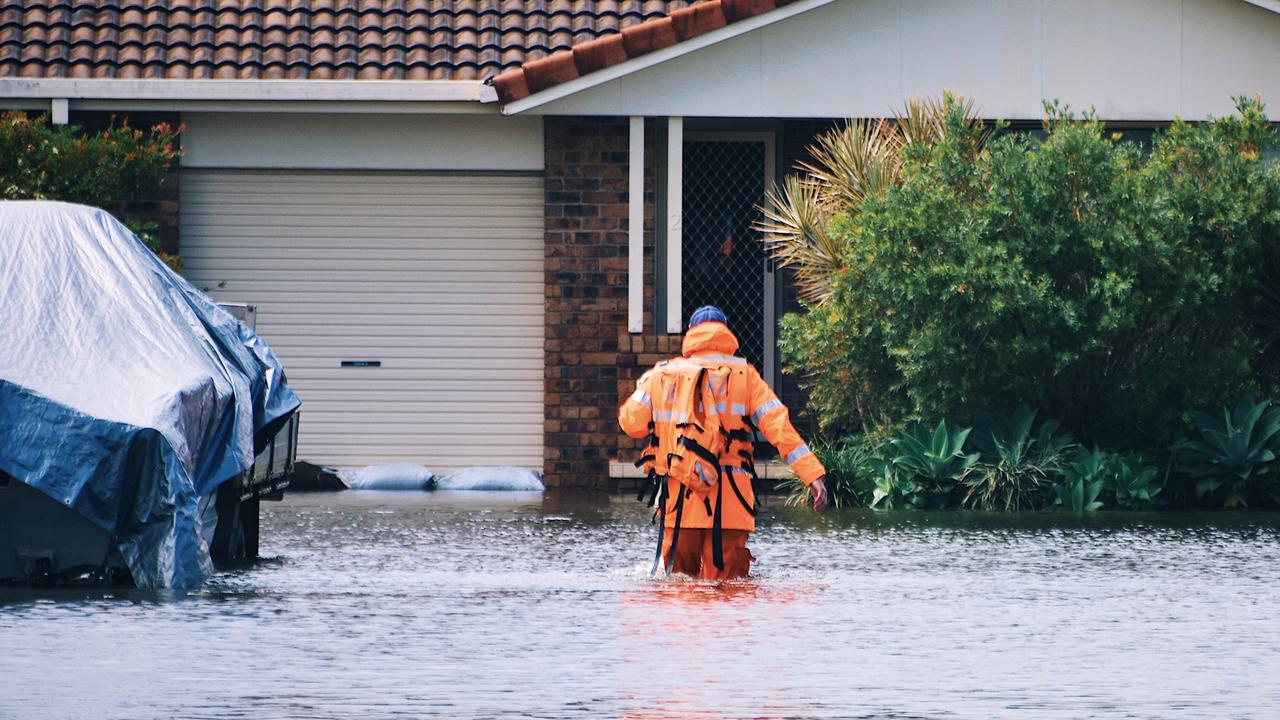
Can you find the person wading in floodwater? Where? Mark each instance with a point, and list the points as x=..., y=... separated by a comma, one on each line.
x=700, y=413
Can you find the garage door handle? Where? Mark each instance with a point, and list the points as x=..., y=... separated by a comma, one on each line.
x=361, y=363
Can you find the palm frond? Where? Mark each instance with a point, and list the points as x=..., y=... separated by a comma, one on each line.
x=924, y=120
x=794, y=232
x=856, y=161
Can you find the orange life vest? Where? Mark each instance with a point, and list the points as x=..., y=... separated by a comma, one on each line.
x=698, y=414
x=749, y=406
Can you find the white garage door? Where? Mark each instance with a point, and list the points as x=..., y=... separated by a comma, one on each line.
x=436, y=279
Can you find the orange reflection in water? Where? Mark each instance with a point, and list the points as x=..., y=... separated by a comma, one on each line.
x=691, y=647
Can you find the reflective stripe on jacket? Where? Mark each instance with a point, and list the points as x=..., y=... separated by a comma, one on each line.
x=713, y=344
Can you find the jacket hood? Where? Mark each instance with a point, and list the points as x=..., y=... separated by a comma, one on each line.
x=709, y=337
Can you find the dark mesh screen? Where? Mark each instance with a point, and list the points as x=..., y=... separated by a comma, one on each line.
x=723, y=260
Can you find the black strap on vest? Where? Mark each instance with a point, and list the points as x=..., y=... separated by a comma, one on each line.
x=700, y=451
x=649, y=487
x=661, y=514
x=717, y=533
x=741, y=498
x=675, y=534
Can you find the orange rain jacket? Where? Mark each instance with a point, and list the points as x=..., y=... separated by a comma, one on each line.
x=712, y=344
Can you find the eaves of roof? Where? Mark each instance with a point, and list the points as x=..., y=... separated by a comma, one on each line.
x=1272, y=5
x=598, y=61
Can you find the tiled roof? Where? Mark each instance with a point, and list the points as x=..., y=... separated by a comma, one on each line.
x=633, y=41
x=301, y=39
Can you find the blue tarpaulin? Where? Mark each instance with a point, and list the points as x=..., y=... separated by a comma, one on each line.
x=125, y=393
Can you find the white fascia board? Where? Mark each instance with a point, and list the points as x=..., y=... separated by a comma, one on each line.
x=1272, y=5
x=289, y=106
x=273, y=91
x=693, y=44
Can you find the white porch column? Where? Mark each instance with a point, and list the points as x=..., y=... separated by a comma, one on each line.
x=675, y=201
x=60, y=111
x=635, y=229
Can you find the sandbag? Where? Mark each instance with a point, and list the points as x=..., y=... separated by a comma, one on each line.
x=399, y=476
x=492, y=478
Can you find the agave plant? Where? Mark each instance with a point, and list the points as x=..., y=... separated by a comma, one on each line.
x=928, y=463
x=1232, y=451
x=936, y=455
x=1133, y=482
x=858, y=160
x=1020, y=460
x=892, y=489
x=1083, y=479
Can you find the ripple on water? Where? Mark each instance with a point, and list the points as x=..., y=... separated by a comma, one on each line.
x=478, y=605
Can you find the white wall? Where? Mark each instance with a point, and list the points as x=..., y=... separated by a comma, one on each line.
x=1132, y=59
x=358, y=141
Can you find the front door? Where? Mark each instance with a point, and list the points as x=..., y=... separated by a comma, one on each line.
x=725, y=178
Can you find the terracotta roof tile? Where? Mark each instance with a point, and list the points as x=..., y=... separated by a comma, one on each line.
x=593, y=53
x=300, y=39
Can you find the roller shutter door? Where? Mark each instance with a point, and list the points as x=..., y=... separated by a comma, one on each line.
x=439, y=278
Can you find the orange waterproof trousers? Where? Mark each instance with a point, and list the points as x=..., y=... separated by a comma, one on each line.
x=693, y=555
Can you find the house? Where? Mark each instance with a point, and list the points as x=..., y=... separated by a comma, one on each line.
x=469, y=225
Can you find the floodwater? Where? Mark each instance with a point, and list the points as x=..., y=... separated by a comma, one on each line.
x=465, y=605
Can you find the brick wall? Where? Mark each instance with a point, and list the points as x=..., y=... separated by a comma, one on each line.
x=589, y=354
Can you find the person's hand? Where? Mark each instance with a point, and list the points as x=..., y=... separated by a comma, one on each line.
x=818, y=489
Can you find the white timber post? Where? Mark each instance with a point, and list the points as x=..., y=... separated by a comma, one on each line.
x=60, y=111
x=635, y=229
x=675, y=215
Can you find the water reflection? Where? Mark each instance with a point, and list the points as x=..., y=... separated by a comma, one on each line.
x=483, y=605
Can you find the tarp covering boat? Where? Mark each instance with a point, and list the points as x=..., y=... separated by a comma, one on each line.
x=126, y=394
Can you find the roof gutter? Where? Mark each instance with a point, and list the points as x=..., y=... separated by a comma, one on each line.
x=1272, y=5
x=633, y=65
x=240, y=92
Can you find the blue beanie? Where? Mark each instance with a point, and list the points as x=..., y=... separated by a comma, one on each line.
x=707, y=313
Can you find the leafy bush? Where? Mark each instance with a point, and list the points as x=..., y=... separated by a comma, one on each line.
x=934, y=455
x=851, y=472
x=1020, y=461
x=43, y=162
x=1109, y=286
x=1132, y=482
x=1096, y=478
x=1233, y=453
x=923, y=466
x=1083, y=479
x=894, y=490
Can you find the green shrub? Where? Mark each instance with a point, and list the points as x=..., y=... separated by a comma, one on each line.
x=103, y=169
x=1020, y=461
x=1132, y=482
x=925, y=466
x=1107, y=285
x=893, y=489
x=934, y=455
x=1233, y=453
x=1083, y=479
x=1097, y=478
x=850, y=472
